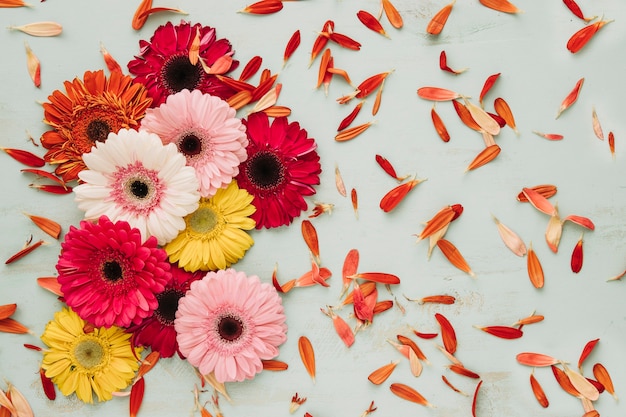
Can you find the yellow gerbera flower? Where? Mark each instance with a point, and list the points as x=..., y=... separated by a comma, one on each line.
x=215, y=237
x=98, y=361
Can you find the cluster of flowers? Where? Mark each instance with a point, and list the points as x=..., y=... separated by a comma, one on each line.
x=171, y=183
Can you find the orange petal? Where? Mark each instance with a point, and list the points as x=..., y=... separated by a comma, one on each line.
x=342, y=328
x=136, y=396
x=110, y=62
x=587, y=351
x=538, y=391
x=350, y=267
x=501, y=5
x=147, y=364
x=539, y=201
x=535, y=359
x=584, y=35
x=10, y=325
x=352, y=132
x=535, y=271
x=51, y=284
x=440, y=220
x=454, y=256
x=379, y=277
x=437, y=94
x=414, y=347
x=370, y=84
x=28, y=249
x=194, y=48
x=396, y=195
x=489, y=82
x=263, y=7
x=603, y=377
x=292, y=45
x=355, y=202
x=447, y=333
x=49, y=226
x=564, y=381
x=484, y=157
x=309, y=233
x=503, y=110
x=307, y=354
x=371, y=22
x=546, y=190
x=503, y=332
x=323, y=66
x=274, y=365
x=461, y=370
x=392, y=14
x=475, y=398
x=33, y=65
x=139, y=19
x=25, y=157
x=7, y=310
x=405, y=392
x=438, y=21
x=381, y=374
x=439, y=125
x=571, y=97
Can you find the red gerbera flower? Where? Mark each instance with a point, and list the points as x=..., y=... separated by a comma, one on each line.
x=164, y=68
x=282, y=167
x=108, y=276
x=157, y=331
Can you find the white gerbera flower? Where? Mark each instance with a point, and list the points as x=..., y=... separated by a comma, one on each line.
x=134, y=177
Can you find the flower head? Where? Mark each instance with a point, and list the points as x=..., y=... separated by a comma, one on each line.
x=281, y=168
x=215, y=236
x=100, y=361
x=157, y=331
x=204, y=129
x=83, y=116
x=108, y=276
x=228, y=322
x=163, y=64
x=134, y=177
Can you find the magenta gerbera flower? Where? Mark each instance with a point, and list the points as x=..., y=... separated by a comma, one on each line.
x=282, y=167
x=108, y=275
x=228, y=322
x=163, y=64
x=157, y=331
x=206, y=130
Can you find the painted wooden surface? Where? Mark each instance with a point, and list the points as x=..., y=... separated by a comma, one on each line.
x=537, y=72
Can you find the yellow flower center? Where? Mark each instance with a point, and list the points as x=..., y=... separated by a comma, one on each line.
x=207, y=221
x=89, y=353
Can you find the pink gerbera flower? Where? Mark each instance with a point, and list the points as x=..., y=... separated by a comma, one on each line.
x=282, y=167
x=164, y=68
x=108, y=276
x=205, y=129
x=157, y=331
x=228, y=322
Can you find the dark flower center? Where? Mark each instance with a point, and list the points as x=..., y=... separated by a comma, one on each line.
x=139, y=189
x=112, y=271
x=98, y=130
x=230, y=328
x=190, y=145
x=178, y=73
x=168, y=305
x=265, y=170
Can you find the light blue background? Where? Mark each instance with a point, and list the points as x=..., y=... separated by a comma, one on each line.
x=537, y=73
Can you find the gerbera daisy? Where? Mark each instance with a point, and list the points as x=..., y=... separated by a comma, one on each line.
x=228, y=322
x=205, y=129
x=108, y=276
x=163, y=64
x=157, y=331
x=281, y=168
x=99, y=361
x=215, y=236
x=134, y=177
x=83, y=116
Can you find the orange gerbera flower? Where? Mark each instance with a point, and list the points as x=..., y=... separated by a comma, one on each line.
x=89, y=110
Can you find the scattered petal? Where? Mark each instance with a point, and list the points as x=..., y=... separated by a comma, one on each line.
x=454, y=256
x=40, y=28
x=484, y=157
x=447, y=333
x=571, y=97
x=438, y=21
x=501, y=5
x=538, y=391
x=307, y=354
x=510, y=238
x=533, y=266
x=535, y=359
x=579, y=39
x=405, y=392
x=576, y=261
